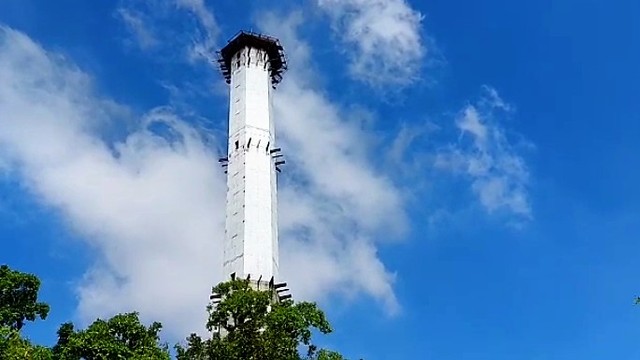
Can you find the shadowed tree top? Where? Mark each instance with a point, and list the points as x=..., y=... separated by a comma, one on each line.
x=19, y=298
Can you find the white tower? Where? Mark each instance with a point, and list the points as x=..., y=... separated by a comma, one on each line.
x=252, y=65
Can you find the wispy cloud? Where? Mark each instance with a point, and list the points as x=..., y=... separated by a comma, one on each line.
x=484, y=153
x=179, y=39
x=204, y=45
x=383, y=39
x=143, y=36
x=148, y=20
x=409, y=136
x=204, y=14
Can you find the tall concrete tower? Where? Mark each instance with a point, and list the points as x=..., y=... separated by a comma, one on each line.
x=252, y=65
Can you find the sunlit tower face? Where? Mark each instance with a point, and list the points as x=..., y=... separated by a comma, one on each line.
x=252, y=65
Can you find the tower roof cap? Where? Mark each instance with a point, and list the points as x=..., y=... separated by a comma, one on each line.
x=244, y=39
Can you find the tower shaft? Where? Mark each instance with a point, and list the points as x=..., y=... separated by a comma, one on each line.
x=251, y=231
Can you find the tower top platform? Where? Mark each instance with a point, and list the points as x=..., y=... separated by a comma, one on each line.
x=244, y=39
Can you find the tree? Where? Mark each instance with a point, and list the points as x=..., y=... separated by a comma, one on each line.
x=19, y=298
x=256, y=328
x=14, y=347
x=18, y=304
x=121, y=337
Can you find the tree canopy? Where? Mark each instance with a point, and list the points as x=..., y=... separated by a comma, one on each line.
x=246, y=324
x=14, y=347
x=121, y=337
x=19, y=298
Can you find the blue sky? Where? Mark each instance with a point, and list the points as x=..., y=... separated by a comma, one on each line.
x=461, y=177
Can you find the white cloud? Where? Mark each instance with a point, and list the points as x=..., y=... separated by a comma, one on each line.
x=382, y=38
x=499, y=174
x=336, y=201
x=149, y=205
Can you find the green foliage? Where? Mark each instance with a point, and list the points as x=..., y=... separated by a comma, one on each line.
x=121, y=337
x=256, y=328
x=14, y=347
x=329, y=355
x=19, y=298
x=246, y=325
